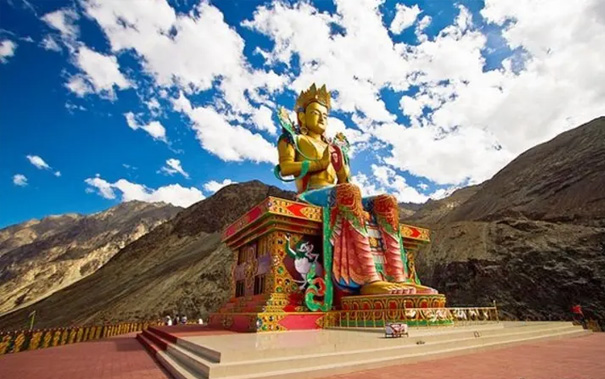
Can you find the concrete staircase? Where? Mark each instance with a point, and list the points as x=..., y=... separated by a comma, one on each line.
x=333, y=351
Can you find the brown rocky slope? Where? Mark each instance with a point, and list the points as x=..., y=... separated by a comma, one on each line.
x=179, y=267
x=39, y=257
x=532, y=237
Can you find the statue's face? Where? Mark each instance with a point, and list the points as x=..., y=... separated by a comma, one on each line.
x=314, y=118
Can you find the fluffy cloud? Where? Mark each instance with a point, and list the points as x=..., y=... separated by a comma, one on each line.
x=386, y=180
x=404, y=18
x=213, y=186
x=173, y=166
x=156, y=34
x=63, y=20
x=20, y=180
x=154, y=128
x=103, y=187
x=7, y=50
x=38, y=162
x=173, y=193
x=346, y=62
x=50, y=43
x=226, y=141
x=263, y=120
x=101, y=74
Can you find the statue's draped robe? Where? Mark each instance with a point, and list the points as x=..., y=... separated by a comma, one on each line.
x=353, y=262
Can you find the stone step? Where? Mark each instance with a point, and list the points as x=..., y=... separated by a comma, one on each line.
x=427, y=334
x=352, y=353
x=175, y=368
x=347, y=367
x=361, y=354
x=190, y=359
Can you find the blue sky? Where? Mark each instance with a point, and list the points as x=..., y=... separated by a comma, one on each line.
x=107, y=101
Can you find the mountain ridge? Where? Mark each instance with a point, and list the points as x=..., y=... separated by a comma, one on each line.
x=43, y=256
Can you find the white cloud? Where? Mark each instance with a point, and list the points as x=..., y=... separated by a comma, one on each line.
x=347, y=63
x=7, y=50
x=50, y=43
x=423, y=24
x=173, y=194
x=173, y=166
x=57, y=174
x=263, y=120
x=404, y=18
x=213, y=186
x=103, y=187
x=63, y=20
x=387, y=181
x=38, y=162
x=78, y=85
x=101, y=74
x=226, y=141
x=158, y=34
x=20, y=180
x=154, y=128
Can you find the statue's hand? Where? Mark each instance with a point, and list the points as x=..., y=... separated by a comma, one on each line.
x=325, y=159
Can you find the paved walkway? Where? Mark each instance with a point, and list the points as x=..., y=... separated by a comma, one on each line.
x=124, y=357
x=571, y=358
x=120, y=357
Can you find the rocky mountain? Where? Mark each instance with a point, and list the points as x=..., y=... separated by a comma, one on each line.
x=408, y=209
x=532, y=237
x=181, y=266
x=40, y=257
x=433, y=211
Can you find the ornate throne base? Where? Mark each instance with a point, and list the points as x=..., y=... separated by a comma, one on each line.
x=268, y=287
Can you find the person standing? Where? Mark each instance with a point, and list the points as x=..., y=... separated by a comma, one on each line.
x=578, y=315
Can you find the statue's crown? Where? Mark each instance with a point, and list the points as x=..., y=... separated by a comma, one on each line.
x=322, y=96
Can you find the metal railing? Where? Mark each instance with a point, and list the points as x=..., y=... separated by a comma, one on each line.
x=411, y=316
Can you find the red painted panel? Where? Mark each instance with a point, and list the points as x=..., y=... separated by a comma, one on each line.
x=295, y=208
x=301, y=322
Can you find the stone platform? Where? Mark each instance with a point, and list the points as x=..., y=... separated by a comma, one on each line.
x=202, y=353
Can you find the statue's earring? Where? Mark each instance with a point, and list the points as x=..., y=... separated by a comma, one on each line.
x=304, y=130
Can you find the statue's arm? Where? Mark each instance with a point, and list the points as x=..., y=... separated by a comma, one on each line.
x=289, y=166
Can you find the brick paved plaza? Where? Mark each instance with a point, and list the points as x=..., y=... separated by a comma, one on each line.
x=124, y=357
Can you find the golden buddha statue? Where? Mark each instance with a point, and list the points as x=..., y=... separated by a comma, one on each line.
x=321, y=170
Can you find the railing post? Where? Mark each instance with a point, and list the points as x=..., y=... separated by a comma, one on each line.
x=496, y=310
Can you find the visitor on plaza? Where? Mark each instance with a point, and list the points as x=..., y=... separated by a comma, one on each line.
x=578, y=315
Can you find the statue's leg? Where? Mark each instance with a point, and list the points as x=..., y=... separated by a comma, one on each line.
x=353, y=260
x=386, y=211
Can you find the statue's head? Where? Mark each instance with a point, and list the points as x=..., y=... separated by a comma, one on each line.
x=312, y=108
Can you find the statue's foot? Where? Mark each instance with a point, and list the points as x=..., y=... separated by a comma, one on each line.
x=420, y=289
x=387, y=288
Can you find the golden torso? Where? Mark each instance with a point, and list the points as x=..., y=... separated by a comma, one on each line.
x=314, y=148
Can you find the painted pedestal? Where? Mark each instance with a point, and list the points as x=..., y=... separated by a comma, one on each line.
x=275, y=244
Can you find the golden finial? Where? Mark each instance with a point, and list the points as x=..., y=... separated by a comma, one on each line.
x=322, y=96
